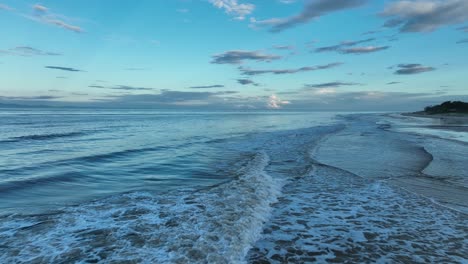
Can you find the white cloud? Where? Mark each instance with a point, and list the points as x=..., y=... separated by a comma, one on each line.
x=274, y=102
x=232, y=7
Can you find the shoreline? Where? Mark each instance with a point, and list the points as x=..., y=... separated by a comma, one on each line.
x=446, y=118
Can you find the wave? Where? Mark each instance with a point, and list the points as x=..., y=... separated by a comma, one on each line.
x=44, y=137
x=215, y=225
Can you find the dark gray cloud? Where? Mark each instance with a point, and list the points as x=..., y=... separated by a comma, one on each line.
x=425, y=15
x=330, y=85
x=131, y=88
x=413, y=68
x=122, y=88
x=40, y=97
x=63, y=68
x=363, y=50
x=392, y=83
x=247, y=82
x=342, y=45
x=207, y=86
x=239, y=56
x=251, y=72
x=462, y=41
x=311, y=10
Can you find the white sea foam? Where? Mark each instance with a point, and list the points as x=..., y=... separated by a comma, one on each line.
x=216, y=225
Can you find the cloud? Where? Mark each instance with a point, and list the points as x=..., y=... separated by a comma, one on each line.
x=131, y=88
x=62, y=68
x=313, y=9
x=425, y=15
x=363, y=50
x=392, y=83
x=28, y=51
x=464, y=29
x=462, y=41
x=284, y=47
x=207, y=86
x=330, y=85
x=40, y=8
x=274, y=102
x=5, y=7
x=239, y=56
x=247, y=82
x=250, y=72
x=413, y=68
x=97, y=86
x=343, y=45
x=42, y=14
x=40, y=97
x=232, y=7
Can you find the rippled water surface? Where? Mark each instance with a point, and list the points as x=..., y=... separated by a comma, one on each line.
x=162, y=187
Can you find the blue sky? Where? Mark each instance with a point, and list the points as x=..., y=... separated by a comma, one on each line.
x=234, y=54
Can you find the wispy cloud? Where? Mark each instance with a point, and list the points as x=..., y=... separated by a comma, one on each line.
x=393, y=83
x=234, y=8
x=239, y=56
x=330, y=85
x=42, y=14
x=464, y=29
x=425, y=15
x=28, y=51
x=284, y=47
x=312, y=10
x=207, y=86
x=63, y=68
x=40, y=97
x=363, y=50
x=97, y=86
x=251, y=72
x=462, y=41
x=6, y=7
x=413, y=68
x=343, y=45
x=122, y=87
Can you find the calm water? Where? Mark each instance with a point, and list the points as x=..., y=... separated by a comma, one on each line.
x=162, y=187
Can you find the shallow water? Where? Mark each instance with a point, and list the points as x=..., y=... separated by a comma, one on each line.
x=228, y=188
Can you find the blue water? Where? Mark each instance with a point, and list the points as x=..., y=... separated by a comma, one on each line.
x=144, y=186
x=66, y=156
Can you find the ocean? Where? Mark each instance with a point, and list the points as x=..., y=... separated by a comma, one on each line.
x=147, y=186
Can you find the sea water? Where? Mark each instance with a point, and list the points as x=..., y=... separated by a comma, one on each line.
x=149, y=186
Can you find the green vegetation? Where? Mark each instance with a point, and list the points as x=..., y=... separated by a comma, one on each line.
x=447, y=107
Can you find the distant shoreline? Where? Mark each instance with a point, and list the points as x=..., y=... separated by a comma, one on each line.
x=457, y=117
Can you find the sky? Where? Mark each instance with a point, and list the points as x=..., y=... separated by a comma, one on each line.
x=349, y=55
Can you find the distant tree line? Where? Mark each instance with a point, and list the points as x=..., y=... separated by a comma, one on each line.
x=448, y=107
